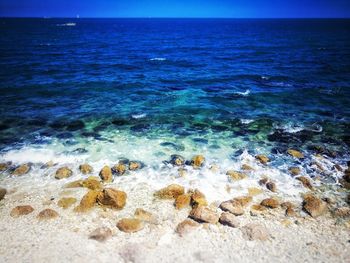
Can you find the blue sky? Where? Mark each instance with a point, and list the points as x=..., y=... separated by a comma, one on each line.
x=176, y=8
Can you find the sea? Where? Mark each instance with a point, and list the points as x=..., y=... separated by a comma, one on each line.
x=101, y=90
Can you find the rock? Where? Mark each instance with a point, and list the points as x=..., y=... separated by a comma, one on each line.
x=170, y=192
x=204, y=214
x=243, y=200
x=287, y=205
x=228, y=219
x=47, y=214
x=235, y=176
x=3, y=192
x=253, y=231
x=106, y=174
x=271, y=186
x=145, y=216
x=21, y=170
x=101, y=234
x=257, y=209
x=134, y=165
x=182, y=172
x=21, y=210
x=263, y=181
x=182, y=201
x=305, y=181
x=112, y=198
x=197, y=161
x=338, y=167
x=290, y=212
x=214, y=168
x=49, y=164
x=66, y=202
x=233, y=207
x=63, y=172
x=177, y=160
x=247, y=167
x=270, y=203
x=294, y=170
x=119, y=168
x=252, y=191
x=198, y=198
x=186, y=226
x=86, y=168
x=295, y=154
x=88, y=201
x=130, y=225
x=262, y=158
x=314, y=205
x=4, y=166
x=91, y=183
x=342, y=211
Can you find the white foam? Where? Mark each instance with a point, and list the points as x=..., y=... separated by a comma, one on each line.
x=245, y=93
x=246, y=121
x=67, y=24
x=158, y=59
x=139, y=116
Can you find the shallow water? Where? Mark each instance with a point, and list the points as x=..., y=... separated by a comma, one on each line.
x=104, y=89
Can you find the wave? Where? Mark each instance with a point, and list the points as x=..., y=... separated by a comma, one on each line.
x=243, y=93
x=67, y=24
x=138, y=116
x=158, y=59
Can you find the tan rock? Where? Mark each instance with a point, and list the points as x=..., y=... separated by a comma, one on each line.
x=246, y=167
x=287, y=204
x=88, y=201
x=243, y=200
x=271, y=186
x=198, y=161
x=305, y=181
x=204, y=214
x=233, y=207
x=145, y=216
x=21, y=170
x=101, y=234
x=133, y=165
x=106, y=174
x=214, y=168
x=253, y=191
x=49, y=164
x=3, y=192
x=91, y=183
x=270, y=203
x=294, y=170
x=186, y=226
x=262, y=159
x=228, y=219
x=342, y=212
x=21, y=210
x=119, y=168
x=86, y=168
x=4, y=166
x=254, y=231
x=295, y=154
x=63, y=172
x=263, y=181
x=290, y=212
x=112, y=198
x=170, y=192
x=198, y=198
x=47, y=214
x=257, y=209
x=130, y=225
x=66, y=202
x=314, y=205
x=235, y=176
x=182, y=201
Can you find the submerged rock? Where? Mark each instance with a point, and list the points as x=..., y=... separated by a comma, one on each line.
x=252, y=191
x=254, y=231
x=204, y=214
x=294, y=170
x=232, y=206
x=88, y=201
x=271, y=186
x=135, y=165
x=106, y=174
x=86, y=168
x=101, y=234
x=130, y=225
x=197, y=161
x=186, y=226
x=177, y=160
x=66, y=202
x=270, y=203
x=247, y=167
x=47, y=214
x=63, y=172
x=314, y=205
x=182, y=201
x=145, y=216
x=21, y=170
x=262, y=159
x=305, y=181
x=228, y=219
x=119, y=168
x=3, y=192
x=235, y=176
x=170, y=192
x=21, y=210
x=295, y=154
x=112, y=198
x=4, y=166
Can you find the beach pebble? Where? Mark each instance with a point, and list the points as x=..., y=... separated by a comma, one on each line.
x=254, y=231
x=314, y=205
x=91, y=182
x=66, y=202
x=130, y=225
x=86, y=168
x=119, y=169
x=47, y=214
x=197, y=161
x=186, y=226
x=49, y=164
x=3, y=192
x=183, y=201
x=88, y=201
x=229, y=219
x=271, y=186
x=21, y=170
x=198, y=198
x=170, y=192
x=257, y=209
x=295, y=153
x=263, y=159
x=232, y=206
x=270, y=203
x=342, y=211
x=101, y=234
x=204, y=214
x=305, y=181
x=63, y=172
x=134, y=165
x=246, y=167
x=112, y=198
x=235, y=176
x=177, y=160
x=145, y=216
x=294, y=170
x=4, y=166
x=106, y=174
x=243, y=200
x=290, y=212
x=21, y=210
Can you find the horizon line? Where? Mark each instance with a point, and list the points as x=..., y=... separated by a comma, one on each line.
x=160, y=17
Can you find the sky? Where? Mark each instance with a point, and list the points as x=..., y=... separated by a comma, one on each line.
x=177, y=8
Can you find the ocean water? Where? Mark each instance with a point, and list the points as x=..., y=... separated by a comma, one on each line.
x=98, y=90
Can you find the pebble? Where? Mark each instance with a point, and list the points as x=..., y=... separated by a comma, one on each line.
x=314, y=205
x=106, y=174
x=229, y=219
x=63, y=172
x=112, y=198
x=130, y=225
x=21, y=170
x=170, y=192
x=21, y=210
x=86, y=168
x=270, y=203
x=186, y=226
x=66, y=202
x=47, y=214
x=101, y=234
x=232, y=206
x=3, y=192
x=254, y=231
x=204, y=214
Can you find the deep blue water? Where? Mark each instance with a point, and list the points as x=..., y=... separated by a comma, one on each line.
x=271, y=83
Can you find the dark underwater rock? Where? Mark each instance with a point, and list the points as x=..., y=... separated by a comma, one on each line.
x=176, y=147
x=200, y=140
x=140, y=127
x=120, y=122
x=286, y=137
x=75, y=125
